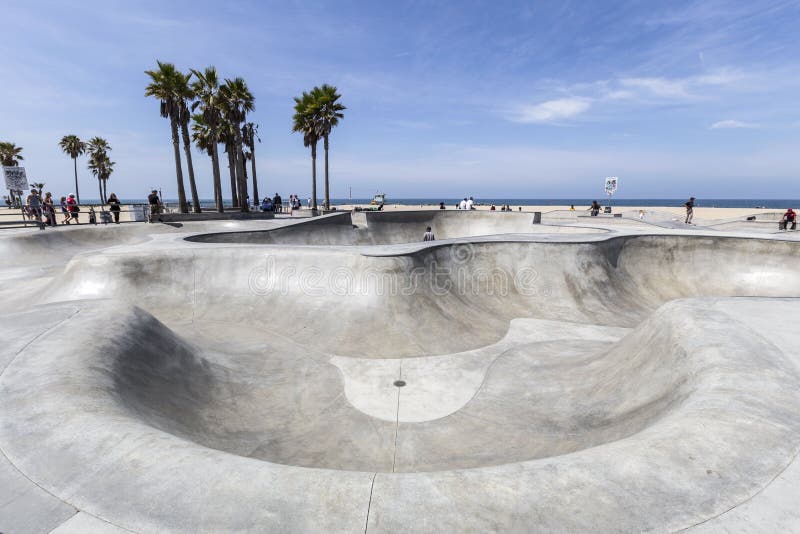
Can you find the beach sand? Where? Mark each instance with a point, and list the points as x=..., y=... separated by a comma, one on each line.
x=678, y=212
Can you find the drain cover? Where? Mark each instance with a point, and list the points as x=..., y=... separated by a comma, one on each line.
x=399, y=383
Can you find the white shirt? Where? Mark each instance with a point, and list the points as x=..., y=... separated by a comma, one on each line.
x=470, y=202
x=462, y=205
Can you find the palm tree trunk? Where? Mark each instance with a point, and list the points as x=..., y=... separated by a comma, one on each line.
x=217, y=178
x=314, y=179
x=100, y=186
x=77, y=195
x=187, y=148
x=327, y=204
x=105, y=190
x=253, y=167
x=178, y=171
x=240, y=172
x=232, y=170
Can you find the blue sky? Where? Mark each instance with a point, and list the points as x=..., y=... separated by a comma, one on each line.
x=493, y=99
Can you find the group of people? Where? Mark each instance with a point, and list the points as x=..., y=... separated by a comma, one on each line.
x=43, y=209
x=466, y=204
x=275, y=204
x=504, y=207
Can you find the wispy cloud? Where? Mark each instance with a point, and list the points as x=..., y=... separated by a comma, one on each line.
x=731, y=124
x=551, y=110
x=681, y=88
x=660, y=87
x=639, y=91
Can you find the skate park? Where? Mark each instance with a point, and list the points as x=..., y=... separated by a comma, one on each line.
x=338, y=374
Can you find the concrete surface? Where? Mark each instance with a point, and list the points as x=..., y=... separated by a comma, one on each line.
x=337, y=375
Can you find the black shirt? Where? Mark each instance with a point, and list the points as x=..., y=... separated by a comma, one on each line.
x=153, y=198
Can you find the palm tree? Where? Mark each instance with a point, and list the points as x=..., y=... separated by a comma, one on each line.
x=74, y=147
x=250, y=135
x=206, y=90
x=184, y=95
x=99, y=163
x=228, y=139
x=238, y=102
x=305, y=122
x=201, y=135
x=10, y=154
x=329, y=112
x=101, y=166
x=163, y=83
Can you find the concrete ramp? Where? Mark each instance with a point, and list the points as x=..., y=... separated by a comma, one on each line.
x=337, y=375
x=386, y=228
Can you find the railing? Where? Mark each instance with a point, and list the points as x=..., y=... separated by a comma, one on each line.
x=24, y=217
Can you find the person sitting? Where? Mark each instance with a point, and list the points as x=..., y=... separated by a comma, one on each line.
x=789, y=217
x=266, y=204
x=441, y=205
x=428, y=235
x=492, y=208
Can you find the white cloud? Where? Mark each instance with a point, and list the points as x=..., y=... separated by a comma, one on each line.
x=552, y=110
x=731, y=123
x=631, y=91
x=661, y=87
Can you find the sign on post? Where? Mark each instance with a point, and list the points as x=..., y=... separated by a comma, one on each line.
x=15, y=178
x=611, y=185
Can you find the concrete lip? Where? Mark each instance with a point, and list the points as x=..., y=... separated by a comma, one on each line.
x=565, y=380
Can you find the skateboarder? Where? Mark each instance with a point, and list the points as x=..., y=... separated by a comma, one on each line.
x=689, y=210
x=789, y=217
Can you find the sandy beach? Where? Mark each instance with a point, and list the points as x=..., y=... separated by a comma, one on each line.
x=699, y=212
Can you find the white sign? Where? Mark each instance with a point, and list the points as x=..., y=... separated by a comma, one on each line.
x=15, y=178
x=611, y=185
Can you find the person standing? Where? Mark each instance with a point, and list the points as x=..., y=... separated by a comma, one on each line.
x=49, y=209
x=115, y=208
x=155, y=206
x=277, y=203
x=689, y=210
x=428, y=235
x=65, y=211
x=595, y=208
x=34, y=203
x=74, y=209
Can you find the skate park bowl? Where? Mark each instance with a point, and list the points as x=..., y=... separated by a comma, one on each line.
x=338, y=375
x=386, y=228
